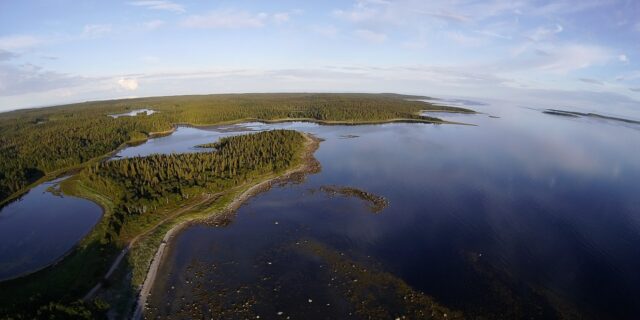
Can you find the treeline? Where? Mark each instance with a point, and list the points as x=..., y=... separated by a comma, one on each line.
x=140, y=185
x=28, y=154
x=36, y=142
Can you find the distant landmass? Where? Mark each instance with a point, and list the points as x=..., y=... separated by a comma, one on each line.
x=574, y=114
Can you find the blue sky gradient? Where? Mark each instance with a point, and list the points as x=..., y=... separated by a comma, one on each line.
x=59, y=51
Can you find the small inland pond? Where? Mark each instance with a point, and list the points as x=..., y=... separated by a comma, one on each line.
x=524, y=215
x=41, y=226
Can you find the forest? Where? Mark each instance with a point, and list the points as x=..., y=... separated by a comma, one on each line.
x=141, y=185
x=35, y=143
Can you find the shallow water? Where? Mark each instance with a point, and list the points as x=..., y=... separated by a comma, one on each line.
x=40, y=227
x=525, y=215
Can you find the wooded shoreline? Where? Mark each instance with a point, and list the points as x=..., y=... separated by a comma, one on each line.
x=37, y=144
x=308, y=165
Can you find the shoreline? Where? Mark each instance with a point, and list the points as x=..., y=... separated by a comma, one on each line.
x=68, y=173
x=308, y=165
x=152, y=135
x=328, y=122
x=71, y=171
x=60, y=173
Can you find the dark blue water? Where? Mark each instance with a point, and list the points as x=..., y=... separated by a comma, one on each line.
x=527, y=215
x=40, y=227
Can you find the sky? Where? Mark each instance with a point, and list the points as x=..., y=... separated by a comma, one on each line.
x=63, y=51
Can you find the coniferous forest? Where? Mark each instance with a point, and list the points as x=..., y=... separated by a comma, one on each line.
x=39, y=142
x=140, y=185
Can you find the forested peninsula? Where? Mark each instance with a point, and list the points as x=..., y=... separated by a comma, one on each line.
x=38, y=144
x=140, y=185
x=143, y=198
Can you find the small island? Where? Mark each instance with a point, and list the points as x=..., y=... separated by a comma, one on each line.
x=375, y=202
x=574, y=114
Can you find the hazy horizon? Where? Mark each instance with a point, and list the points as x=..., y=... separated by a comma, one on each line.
x=549, y=52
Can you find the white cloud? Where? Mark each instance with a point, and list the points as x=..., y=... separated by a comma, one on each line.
x=592, y=81
x=327, y=31
x=492, y=34
x=412, y=79
x=352, y=75
x=29, y=78
x=546, y=54
x=446, y=15
x=19, y=42
x=402, y=12
x=371, y=36
x=128, y=83
x=356, y=15
x=153, y=24
x=95, y=30
x=150, y=59
x=415, y=44
x=281, y=17
x=228, y=19
x=543, y=33
x=629, y=76
x=437, y=13
x=7, y=55
x=564, y=6
x=465, y=40
x=569, y=57
x=159, y=5
x=556, y=58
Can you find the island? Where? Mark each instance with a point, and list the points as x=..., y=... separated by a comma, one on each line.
x=574, y=114
x=375, y=203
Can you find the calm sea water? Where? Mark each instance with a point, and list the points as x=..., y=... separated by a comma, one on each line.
x=525, y=215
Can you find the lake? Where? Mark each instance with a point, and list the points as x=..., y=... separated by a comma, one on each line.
x=40, y=227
